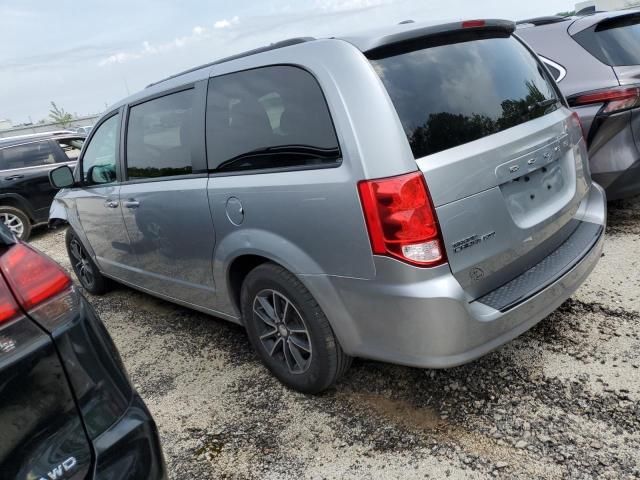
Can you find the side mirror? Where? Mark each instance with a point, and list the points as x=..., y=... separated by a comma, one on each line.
x=61, y=177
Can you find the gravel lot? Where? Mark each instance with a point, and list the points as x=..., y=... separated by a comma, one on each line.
x=560, y=401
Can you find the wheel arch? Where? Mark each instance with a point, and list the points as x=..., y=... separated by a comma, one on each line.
x=19, y=202
x=238, y=270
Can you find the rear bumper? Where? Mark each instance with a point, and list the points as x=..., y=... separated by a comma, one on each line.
x=401, y=318
x=130, y=448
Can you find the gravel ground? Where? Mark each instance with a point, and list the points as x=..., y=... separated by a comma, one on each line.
x=560, y=401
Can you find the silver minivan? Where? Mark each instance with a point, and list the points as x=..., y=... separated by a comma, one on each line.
x=417, y=195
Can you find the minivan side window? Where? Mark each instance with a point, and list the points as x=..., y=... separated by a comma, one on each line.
x=159, y=137
x=99, y=160
x=269, y=117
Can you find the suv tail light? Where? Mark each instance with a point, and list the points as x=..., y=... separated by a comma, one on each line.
x=401, y=220
x=614, y=99
x=9, y=309
x=33, y=278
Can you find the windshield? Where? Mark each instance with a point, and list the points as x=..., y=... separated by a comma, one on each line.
x=451, y=94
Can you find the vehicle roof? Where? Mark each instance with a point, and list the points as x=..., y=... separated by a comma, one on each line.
x=582, y=23
x=365, y=41
x=36, y=137
x=539, y=21
x=576, y=23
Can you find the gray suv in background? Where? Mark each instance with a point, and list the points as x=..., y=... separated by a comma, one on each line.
x=418, y=194
x=596, y=61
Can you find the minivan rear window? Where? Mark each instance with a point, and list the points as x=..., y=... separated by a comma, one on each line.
x=614, y=42
x=453, y=93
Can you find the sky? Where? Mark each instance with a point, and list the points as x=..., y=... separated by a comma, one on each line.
x=85, y=55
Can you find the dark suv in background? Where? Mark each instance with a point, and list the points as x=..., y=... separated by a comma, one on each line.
x=67, y=408
x=25, y=162
x=596, y=61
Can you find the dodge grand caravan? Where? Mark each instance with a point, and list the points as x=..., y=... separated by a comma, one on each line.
x=417, y=195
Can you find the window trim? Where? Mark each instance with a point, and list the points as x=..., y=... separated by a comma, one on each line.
x=557, y=66
x=229, y=173
x=198, y=149
x=89, y=139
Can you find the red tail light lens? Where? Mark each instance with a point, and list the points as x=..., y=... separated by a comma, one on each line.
x=615, y=99
x=33, y=277
x=401, y=219
x=8, y=306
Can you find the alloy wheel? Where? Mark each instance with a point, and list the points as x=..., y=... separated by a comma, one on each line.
x=13, y=222
x=282, y=330
x=81, y=263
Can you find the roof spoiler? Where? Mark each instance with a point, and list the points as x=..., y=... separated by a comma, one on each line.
x=603, y=20
x=380, y=44
x=613, y=22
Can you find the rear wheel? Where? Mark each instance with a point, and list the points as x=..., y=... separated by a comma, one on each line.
x=84, y=267
x=289, y=330
x=17, y=221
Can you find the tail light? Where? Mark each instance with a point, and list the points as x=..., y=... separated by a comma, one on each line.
x=35, y=280
x=614, y=99
x=401, y=220
x=9, y=309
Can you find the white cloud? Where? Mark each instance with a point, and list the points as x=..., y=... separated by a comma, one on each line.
x=342, y=5
x=198, y=33
x=224, y=23
x=119, y=57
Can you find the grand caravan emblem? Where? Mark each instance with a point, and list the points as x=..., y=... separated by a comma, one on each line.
x=471, y=241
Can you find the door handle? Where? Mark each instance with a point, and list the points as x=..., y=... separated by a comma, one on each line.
x=13, y=177
x=132, y=203
x=111, y=204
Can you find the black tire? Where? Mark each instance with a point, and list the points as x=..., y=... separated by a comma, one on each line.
x=84, y=267
x=17, y=221
x=323, y=363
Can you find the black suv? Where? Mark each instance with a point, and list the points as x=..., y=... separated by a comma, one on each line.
x=25, y=162
x=67, y=408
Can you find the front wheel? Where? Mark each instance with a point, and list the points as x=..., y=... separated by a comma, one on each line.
x=84, y=267
x=289, y=330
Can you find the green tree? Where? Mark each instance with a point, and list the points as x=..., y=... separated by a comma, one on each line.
x=58, y=115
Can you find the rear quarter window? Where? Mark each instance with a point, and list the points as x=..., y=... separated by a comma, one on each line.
x=453, y=93
x=615, y=42
x=269, y=118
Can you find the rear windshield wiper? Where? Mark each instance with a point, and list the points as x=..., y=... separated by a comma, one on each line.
x=543, y=104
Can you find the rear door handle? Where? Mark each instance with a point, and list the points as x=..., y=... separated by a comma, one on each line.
x=132, y=203
x=13, y=177
x=111, y=204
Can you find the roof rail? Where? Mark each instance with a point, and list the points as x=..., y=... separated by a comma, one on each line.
x=273, y=46
x=537, y=21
